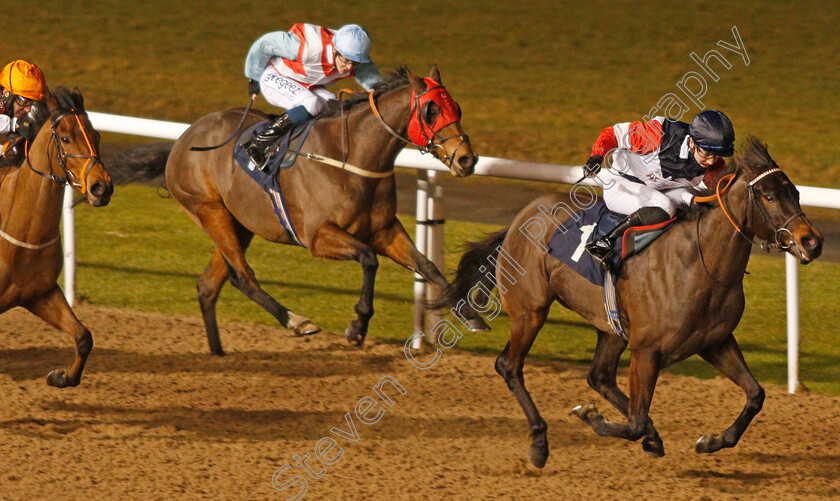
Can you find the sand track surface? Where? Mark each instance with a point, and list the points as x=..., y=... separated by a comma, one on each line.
x=156, y=417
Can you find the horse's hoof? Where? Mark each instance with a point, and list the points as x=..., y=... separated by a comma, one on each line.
x=585, y=412
x=59, y=379
x=477, y=325
x=353, y=337
x=301, y=326
x=307, y=329
x=654, y=448
x=538, y=455
x=708, y=444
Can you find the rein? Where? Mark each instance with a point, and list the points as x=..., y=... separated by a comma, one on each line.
x=752, y=202
x=430, y=145
x=70, y=178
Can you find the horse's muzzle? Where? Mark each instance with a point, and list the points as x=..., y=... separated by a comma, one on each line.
x=99, y=194
x=465, y=165
x=809, y=246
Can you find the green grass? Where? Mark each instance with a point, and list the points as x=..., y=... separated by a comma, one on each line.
x=143, y=252
x=536, y=83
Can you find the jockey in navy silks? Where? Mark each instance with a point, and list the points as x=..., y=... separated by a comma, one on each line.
x=292, y=69
x=654, y=166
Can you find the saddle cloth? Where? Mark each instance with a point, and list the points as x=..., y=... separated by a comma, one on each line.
x=568, y=243
x=268, y=179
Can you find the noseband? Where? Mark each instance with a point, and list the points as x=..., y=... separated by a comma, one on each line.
x=753, y=202
x=417, y=106
x=69, y=178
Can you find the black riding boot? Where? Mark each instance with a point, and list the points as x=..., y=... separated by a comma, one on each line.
x=602, y=248
x=257, y=147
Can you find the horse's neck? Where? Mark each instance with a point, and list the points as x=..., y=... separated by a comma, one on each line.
x=30, y=204
x=374, y=141
x=726, y=251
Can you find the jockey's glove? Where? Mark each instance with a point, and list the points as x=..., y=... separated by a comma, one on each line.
x=253, y=88
x=27, y=130
x=593, y=165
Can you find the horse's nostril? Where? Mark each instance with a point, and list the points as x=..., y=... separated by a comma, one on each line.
x=97, y=189
x=810, y=243
x=467, y=161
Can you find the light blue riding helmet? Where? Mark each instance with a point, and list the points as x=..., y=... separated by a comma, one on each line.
x=353, y=42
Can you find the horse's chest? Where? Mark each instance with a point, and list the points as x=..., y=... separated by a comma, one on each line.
x=27, y=275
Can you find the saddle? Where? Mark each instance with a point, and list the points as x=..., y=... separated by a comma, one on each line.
x=283, y=156
x=567, y=244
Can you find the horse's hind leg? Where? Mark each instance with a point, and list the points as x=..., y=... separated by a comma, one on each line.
x=209, y=285
x=53, y=309
x=644, y=370
x=509, y=364
x=601, y=378
x=332, y=242
x=231, y=240
x=727, y=358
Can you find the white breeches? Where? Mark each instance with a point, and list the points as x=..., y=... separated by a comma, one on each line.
x=626, y=197
x=286, y=93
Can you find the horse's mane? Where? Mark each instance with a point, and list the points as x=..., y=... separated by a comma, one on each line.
x=395, y=80
x=68, y=99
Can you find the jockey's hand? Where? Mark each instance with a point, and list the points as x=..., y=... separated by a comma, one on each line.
x=253, y=88
x=593, y=165
x=27, y=130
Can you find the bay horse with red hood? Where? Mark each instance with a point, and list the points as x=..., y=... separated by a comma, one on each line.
x=681, y=296
x=344, y=213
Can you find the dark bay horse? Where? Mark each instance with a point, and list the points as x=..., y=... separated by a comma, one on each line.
x=338, y=214
x=31, y=199
x=682, y=296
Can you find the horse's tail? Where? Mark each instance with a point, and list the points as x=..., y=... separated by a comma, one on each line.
x=474, y=268
x=141, y=164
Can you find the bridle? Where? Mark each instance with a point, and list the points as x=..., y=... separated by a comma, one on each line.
x=778, y=235
x=421, y=133
x=69, y=178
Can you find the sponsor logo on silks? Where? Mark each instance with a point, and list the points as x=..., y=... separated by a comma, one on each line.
x=652, y=177
x=684, y=148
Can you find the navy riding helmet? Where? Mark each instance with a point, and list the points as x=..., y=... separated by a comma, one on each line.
x=712, y=131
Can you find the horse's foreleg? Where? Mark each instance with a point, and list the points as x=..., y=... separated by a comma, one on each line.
x=601, y=378
x=644, y=370
x=231, y=241
x=727, y=358
x=394, y=243
x=332, y=242
x=524, y=329
x=53, y=309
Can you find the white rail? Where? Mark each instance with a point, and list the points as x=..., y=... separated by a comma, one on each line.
x=429, y=237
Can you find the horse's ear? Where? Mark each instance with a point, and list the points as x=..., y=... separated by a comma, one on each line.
x=416, y=82
x=78, y=98
x=52, y=102
x=435, y=74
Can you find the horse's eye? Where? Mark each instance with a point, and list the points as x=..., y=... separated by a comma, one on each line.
x=65, y=140
x=769, y=198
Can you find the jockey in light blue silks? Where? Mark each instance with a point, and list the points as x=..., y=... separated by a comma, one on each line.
x=292, y=69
